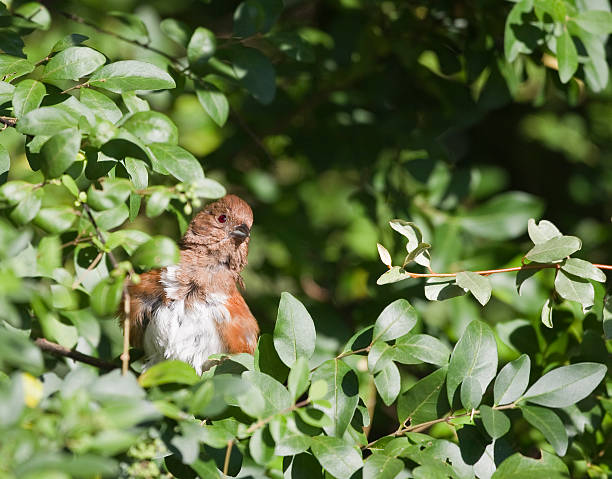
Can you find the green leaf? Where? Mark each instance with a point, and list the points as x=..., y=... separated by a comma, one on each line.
x=157, y=252
x=290, y=440
x=113, y=194
x=512, y=380
x=201, y=47
x=168, y=372
x=136, y=27
x=6, y=92
x=48, y=121
x=573, y=288
x=111, y=218
x=100, y=104
x=297, y=383
x=342, y=394
x=555, y=249
x=513, y=45
x=27, y=97
x=207, y=188
x=17, y=351
x=106, y=296
x=394, y=275
x=549, y=424
x=336, y=456
x=214, y=103
x=397, y=319
x=255, y=72
x=134, y=103
x=27, y=208
x=129, y=240
x=130, y=75
x=71, y=40
x=35, y=12
x=583, y=269
x=381, y=466
x=495, y=422
x=478, y=285
x=158, y=203
x=567, y=57
x=261, y=446
x=546, y=314
x=294, y=46
x=5, y=161
x=607, y=316
x=380, y=355
x=475, y=355
x=14, y=67
x=152, y=127
x=56, y=219
x=439, y=289
x=566, y=385
x=73, y=63
x=388, y=383
x=275, y=397
x=178, y=31
x=137, y=169
x=294, y=332
x=503, y=217
x=59, y=152
x=542, y=231
x=424, y=348
x=424, y=401
x=519, y=467
x=178, y=162
x=598, y=22
x=416, y=247
x=471, y=393
x=317, y=390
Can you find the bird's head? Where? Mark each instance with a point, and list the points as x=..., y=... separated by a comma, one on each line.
x=220, y=233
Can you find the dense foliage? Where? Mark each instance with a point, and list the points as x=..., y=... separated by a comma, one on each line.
x=470, y=120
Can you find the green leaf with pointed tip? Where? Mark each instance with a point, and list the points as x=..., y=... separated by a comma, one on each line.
x=48, y=121
x=71, y=40
x=396, y=319
x=136, y=27
x=518, y=466
x=549, y=424
x=583, y=269
x=152, y=127
x=59, y=152
x=424, y=348
x=337, y=456
x=178, y=31
x=388, y=383
x=512, y=380
x=342, y=394
x=101, y=104
x=381, y=466
x=424, y=401
x=567, y=57
x=566, y=385
x=177, y=161
x=471, y=393
x=475, y=355
x=56, y=219
x=106, y=296
x=513, y=44
x=201, y=47
x=7, y=91
x=478, y=285
x=495, y=422
x=439, y=289
x=598, y=22
x=261, y=446
x=294, y=332
x=130, y=75
x=573, y=288
x=27, y=96
x=11, y=66
x=275, y=397
x=158, y=251
x=256, y=73
x=134, y=103
x=542, y=231
x=168, y=372
x=297, y=382
x=214, y=103
x=394, y=275
x=546, y=314
x=555, y=249
x=73, y=63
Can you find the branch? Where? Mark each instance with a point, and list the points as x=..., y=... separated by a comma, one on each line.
x=61, y=351
x=8, y=121
x=263, y=422
x=228, y=453
x=125, y=355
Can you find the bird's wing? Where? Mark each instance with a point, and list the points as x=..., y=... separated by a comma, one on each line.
x=240, y=333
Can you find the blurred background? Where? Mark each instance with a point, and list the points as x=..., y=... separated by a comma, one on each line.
x=382, y=110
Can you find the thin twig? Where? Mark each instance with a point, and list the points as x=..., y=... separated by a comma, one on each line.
x=61, y=351
x=125, y=355
x=8, y=120
x=263, y=422
x=228, y=453
x=244, y=125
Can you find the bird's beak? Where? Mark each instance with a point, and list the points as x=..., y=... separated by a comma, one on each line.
x=240, y=232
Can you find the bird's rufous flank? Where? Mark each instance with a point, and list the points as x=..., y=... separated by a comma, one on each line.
x=193, y=309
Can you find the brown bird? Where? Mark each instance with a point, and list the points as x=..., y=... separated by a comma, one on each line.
x=193, y=309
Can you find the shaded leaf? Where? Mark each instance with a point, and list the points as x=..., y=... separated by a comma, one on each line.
x=294, y=332
x=512, y=380
x=478, y=285
x=549, y=424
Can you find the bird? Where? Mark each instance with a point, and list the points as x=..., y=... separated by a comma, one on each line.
x=193, y=309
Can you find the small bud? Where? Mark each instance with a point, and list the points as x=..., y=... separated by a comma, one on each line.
x=82, y=197
x=77, y=203
x=187, y=209
x=180, y=187
x=196, y=203
x=182, y=198
x=135, y=278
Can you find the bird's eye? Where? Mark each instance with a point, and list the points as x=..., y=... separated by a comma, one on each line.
x=222, y=219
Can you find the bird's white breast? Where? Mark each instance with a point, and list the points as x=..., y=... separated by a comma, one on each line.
x=188, y=332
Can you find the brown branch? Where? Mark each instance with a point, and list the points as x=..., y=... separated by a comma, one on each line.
x=228, y=453
x=8, y=121
x=61, y=351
